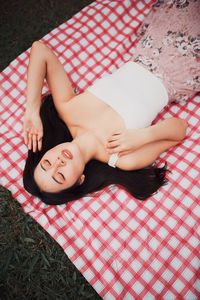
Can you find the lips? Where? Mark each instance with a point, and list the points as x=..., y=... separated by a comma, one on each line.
x=66, y=153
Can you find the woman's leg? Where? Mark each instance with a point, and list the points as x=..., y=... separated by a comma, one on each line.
x=44, y=64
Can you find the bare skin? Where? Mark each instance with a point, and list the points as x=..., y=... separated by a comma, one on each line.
x=89, y=121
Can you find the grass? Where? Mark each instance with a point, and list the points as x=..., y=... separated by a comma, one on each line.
x=32, y=265
x=24, y=21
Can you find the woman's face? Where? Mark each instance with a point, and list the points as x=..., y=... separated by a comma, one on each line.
x=60, y=168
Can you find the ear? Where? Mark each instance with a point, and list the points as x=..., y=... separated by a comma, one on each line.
x=82, y=179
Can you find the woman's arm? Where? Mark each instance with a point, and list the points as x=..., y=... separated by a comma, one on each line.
x=43, y=64
x=172, y=129
x=144, y=156
x=35, y=77
x=154, y=140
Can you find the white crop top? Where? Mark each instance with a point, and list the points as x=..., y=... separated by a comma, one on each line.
x=133, y=92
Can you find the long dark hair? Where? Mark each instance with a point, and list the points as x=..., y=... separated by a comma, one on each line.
x=140, y=183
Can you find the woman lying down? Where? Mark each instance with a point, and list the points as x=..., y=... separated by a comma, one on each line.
x=80, y=143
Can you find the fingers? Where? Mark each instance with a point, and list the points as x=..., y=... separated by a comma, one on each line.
x=114, y=142
x=29, y=142
x=25, y=137
x=114, y=146
x=33, y=131
x=115, y=135
x=33, y=141
x=39, y=141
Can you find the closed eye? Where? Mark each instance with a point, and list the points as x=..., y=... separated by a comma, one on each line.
x=59, y=177
x=45, y=164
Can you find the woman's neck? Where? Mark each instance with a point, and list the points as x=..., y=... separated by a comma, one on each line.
x=87, y=144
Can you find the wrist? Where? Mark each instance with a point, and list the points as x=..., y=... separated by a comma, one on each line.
x=32, y=107
x=149, y=134
x=30, y=111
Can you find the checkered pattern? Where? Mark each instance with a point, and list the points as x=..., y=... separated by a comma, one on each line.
x=125, y=248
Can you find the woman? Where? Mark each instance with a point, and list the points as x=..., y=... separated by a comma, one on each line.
x=87, y=135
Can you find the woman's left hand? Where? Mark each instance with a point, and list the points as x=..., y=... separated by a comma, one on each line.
x=126, y=141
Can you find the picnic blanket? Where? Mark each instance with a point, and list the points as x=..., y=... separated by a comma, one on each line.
x=125, y=248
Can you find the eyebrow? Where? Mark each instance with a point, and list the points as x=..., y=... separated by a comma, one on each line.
x=51, y=176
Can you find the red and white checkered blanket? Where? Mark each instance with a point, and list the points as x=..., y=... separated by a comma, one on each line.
x=125, y=248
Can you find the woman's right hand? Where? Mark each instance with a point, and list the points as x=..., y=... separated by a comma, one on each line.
x=127, y=141
x=33, y=130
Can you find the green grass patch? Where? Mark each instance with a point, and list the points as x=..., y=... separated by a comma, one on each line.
x=33, y=266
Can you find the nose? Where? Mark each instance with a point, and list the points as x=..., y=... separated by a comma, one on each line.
x=61, y=161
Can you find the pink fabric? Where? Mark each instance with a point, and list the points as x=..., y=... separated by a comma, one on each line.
x=170, y=46
x=125, y=248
